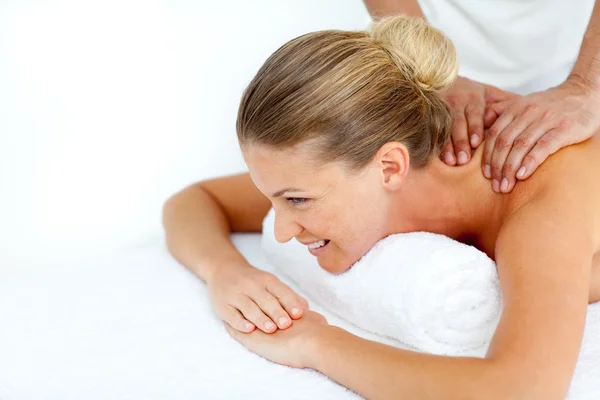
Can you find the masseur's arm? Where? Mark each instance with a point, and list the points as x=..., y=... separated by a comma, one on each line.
x=198, y=222
x=380, y=8
x=532, y=356
x=466, y=98
x=528, y=130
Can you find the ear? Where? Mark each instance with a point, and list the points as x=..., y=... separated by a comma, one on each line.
x=393, y=160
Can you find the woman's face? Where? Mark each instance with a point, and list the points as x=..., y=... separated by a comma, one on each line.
x=312, y=205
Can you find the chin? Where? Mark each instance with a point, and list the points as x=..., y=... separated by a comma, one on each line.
x=335, y=268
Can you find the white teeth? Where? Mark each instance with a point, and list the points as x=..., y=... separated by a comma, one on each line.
x=316, y=245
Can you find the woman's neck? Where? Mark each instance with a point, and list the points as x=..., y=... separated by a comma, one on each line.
x=454, y=201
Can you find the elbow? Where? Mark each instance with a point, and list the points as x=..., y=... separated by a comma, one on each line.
x=169, y=208
x=173, y=198
x=174, y=201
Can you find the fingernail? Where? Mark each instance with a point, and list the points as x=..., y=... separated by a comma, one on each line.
x=487, y=171
x=521, y=172
x=448, y=158
x=249, y=326
x=505, y=185
x=474, y=140
x=283, y=321
x=462, y=157
x=295, y=311
x=495, y=185
x=269, y=325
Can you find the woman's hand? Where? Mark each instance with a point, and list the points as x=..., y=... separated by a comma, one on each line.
x=468, y=100
x=291, y=347
x=245, y=297
x=527, y=130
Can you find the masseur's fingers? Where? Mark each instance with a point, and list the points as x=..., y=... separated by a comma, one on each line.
x=493, y=113
x=289, y=300
x=460, y=136
x=520, y=156
x=546, y=146
x=253, y=313
x=271, y=307
x=490, y=143
x=448, y=154
x=504, y=145
x=500, y=99
x=474, y=116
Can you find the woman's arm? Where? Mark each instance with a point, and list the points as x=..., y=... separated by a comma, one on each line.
x=199, y=219
x=544, y=255
x=198, y=222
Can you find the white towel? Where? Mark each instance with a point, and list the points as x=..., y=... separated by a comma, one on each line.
x=139, y=325
x=427, y=291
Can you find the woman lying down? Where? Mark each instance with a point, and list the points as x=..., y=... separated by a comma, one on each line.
x=341, y=132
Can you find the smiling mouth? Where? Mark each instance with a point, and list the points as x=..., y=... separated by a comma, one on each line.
x=319, y=247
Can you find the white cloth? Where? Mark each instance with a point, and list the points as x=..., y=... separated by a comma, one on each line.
x=139, y=326
x=517, y=45
x=427, y=291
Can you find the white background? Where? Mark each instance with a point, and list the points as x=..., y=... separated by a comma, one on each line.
x=109, y=107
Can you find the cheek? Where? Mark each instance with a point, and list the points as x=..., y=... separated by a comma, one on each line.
x=354, y=239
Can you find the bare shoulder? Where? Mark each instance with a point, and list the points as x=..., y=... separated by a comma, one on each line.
x=569, y=182
x=544, y=251
x=244, y=205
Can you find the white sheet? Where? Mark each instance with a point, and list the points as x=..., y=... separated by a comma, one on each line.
x=139, y=326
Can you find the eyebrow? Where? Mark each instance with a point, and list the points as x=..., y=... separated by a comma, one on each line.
x=290, y=189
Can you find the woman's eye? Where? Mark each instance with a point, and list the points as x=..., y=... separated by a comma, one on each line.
x=296, y=200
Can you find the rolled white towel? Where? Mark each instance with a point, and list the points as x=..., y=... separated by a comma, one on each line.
x=427, y=291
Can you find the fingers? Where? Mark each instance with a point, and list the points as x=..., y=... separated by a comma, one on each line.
x=303, y=302
x=232, y=331
x=236, y=320
x=256, y=300
x=448, y=154
x=501, y=170
x=460, y=137
x=492, y=113
x=253, y=313
x=547, y=145
x=467, y=133
x=520, y=164
x=518, y=145
x=272, y=308
x=292, y=303
x=492, y=136
x=496, y=101
x=474, y=117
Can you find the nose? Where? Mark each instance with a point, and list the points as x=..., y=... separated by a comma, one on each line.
x=286, y=228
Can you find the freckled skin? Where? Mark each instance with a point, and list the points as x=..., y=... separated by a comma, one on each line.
x=343, y=209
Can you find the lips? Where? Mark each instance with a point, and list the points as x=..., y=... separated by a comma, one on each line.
x=319, y=250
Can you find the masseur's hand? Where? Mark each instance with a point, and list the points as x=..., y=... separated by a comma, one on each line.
x=467, y=100
x=245, y=298
x=291, y=347
x=527, y=130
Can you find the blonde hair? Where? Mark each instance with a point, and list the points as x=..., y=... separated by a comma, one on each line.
x=353, y=92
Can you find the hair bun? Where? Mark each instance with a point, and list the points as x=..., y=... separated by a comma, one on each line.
x=423, y=53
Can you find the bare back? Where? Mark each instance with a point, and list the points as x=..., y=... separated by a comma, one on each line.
x=573, y=171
